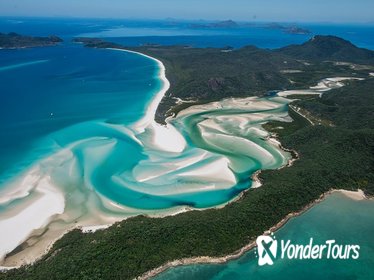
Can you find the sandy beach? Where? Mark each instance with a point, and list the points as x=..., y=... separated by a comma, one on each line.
x=17, y=228
x=323, y=86
x=355, y=195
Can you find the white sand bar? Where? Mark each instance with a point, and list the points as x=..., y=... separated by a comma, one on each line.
x=17, y=228
x=323, y=86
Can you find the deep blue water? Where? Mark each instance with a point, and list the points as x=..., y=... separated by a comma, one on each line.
x=362, y=36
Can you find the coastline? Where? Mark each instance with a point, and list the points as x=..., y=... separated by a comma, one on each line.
x=32, y=253
x=166, y=135
x=355, y=195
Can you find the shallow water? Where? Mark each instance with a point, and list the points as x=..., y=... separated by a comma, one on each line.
x=61, y=108
x=78, y=131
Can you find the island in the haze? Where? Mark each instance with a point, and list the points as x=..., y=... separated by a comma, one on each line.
x=230, y=24
x=332, y=136
x=220, y=24
x=296, y=30
x=13, y=40
x=289, y=29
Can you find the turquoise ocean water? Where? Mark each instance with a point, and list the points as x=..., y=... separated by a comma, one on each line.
x=85, y=103
x=76, y=128
x=53, y=98
x=75, y=98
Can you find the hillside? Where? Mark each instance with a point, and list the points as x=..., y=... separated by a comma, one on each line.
x=329, y=48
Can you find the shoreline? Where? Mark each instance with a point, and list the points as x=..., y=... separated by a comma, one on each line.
x=355, y=195
x=147, y=120
x=31, y=254
x=149, y=117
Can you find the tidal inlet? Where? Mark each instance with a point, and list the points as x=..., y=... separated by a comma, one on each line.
x=92, y=173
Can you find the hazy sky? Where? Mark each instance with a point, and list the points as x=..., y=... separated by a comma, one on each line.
x=261, y=10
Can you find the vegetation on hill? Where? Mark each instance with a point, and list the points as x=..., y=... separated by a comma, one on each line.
x=329, y=48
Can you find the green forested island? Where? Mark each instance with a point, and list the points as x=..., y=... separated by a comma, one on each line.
x=338, y=153
x=13, y=40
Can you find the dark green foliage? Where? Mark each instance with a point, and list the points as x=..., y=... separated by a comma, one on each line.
x=351, y=106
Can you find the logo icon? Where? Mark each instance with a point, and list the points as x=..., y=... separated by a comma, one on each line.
x=266, y=249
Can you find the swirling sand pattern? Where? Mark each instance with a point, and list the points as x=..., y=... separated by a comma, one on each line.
x=102, y=171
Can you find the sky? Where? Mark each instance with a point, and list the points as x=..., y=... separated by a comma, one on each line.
x=244, y=10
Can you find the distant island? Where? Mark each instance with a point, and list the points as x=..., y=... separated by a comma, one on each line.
x=288, y=29
x=13, y=40
x=220, y=24
x=296, y=30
